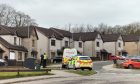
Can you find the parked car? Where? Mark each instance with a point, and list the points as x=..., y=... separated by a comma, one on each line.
x=57, y=59
x=122, y=57
x=81, y=62
x=113, y=57
x=2, y=62
x=131, y=63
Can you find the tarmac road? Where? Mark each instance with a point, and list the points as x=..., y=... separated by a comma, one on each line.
x=103, y=77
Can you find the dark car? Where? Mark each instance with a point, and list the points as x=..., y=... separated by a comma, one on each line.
x=113, y=57
x=2, y=62
x=57, y=59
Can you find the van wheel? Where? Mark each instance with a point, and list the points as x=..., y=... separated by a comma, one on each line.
x=63, y=66
x=130, y=66
x=68, y=67
x=74, y=67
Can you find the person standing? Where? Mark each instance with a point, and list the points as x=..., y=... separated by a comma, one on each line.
x=42, y=57
x=44, y=60
x=6, y=60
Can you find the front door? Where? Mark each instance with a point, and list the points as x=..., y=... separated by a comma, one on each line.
x=52, y=55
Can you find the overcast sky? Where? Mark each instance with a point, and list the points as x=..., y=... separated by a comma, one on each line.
x=52, y=13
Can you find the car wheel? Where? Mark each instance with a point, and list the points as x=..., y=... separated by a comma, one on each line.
x=130, y=66
x=125, y=67
x=90, y=69
x=82, y=69
x=54, y=62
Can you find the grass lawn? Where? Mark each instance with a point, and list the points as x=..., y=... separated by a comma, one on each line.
x=83, y=72
x=6, y=75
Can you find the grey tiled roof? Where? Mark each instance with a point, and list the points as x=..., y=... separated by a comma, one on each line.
x=10, y=46
x=20, y=31
x=4, y=30
x=25, y=32
x=49, y=33
x=62, y=32
x=85, y=36
x=131, y=38
x=110, y=37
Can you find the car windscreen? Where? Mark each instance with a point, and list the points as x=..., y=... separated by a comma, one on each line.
x=85, y=58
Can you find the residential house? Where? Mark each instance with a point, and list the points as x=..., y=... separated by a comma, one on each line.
x=10, y=44
x=49, y=41
x=132, y=44
x=67, y=37
x=88, y=43
x=29, y=40
x=113, y=43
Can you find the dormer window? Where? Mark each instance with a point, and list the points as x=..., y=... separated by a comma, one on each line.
x=52, y=42
x=119, y=44
x=80, y=44
x=66, y=43
x=15, y=40
x=97, y=44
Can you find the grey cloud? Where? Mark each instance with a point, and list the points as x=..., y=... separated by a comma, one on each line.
x=61, y=12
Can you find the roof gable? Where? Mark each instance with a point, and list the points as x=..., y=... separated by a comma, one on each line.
x=49, y=33
x=26, y=32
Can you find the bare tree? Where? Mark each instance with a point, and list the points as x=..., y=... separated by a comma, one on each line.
x=10, y=17
x=20, y=19
x=6, y=14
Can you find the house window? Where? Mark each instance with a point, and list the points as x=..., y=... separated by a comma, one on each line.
x=12, y=55
x=119, y=44
x=66, y=43
x=25, y=56
x=19, y=55
x=19, y=41
x=80, y=44
x=52, y=42
x=15, y=39
x=119, y=53
x=33, y=43
x=97, y=44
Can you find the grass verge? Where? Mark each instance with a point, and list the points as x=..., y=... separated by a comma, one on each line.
x=83, y=72
x=7, y=75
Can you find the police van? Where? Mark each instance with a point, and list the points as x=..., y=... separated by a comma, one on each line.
x=74, y=61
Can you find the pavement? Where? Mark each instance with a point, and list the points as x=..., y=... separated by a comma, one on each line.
x=58, y=74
